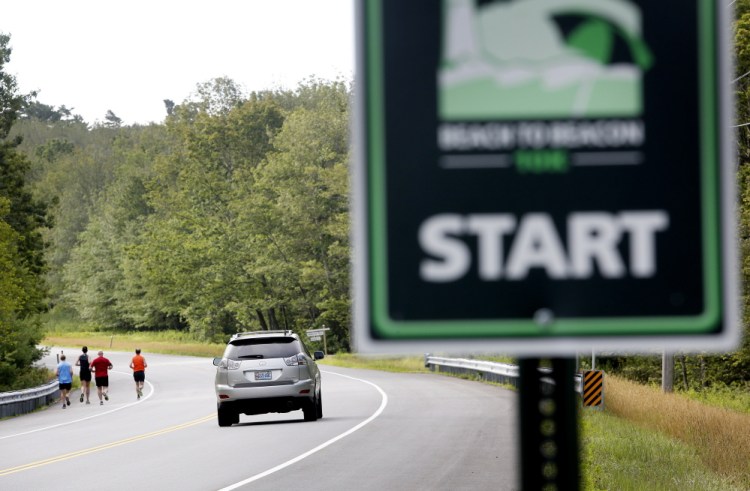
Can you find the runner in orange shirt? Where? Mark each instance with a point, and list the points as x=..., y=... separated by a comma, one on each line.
x=138, y=364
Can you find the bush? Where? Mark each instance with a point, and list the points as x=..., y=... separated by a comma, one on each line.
x=20, y=380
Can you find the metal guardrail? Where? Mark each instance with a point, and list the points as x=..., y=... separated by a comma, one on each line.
x=27, y=400
x=486, y=370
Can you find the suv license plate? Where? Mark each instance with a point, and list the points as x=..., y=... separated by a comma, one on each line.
x=264, y=375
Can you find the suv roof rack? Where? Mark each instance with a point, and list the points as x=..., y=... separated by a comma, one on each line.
x=285, y=332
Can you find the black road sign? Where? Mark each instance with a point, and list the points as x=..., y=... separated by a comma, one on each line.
x=533, y=170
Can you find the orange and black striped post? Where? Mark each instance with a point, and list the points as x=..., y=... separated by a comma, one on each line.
x=593, y=388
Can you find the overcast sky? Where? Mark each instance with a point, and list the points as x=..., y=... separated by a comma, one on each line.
x=128, y=56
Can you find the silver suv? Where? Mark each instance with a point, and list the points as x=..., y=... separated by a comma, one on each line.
x=267, y=372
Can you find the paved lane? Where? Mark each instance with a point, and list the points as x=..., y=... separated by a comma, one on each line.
x=379, y=431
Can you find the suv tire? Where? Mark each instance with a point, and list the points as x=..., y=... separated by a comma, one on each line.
x=227, y=416
x=319, y=406
x=310, y=410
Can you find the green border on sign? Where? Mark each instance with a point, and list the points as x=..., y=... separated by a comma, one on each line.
x=384, y=327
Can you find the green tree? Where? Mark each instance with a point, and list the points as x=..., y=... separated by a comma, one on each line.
x=249, y=223
x=111, y=120
x=169, y=106
x=22, y=265
x=19, y=333
x=185, y=259
x=735, y=367
x=296, y=213
x=98, y=280
x=26, y=215
x=219, y=96
x=74, y=179
x=231, y=215
x=38, y=111
x=11, y=102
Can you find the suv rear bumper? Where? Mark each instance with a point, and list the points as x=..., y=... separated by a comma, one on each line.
x=287, y=397
x=269, y=405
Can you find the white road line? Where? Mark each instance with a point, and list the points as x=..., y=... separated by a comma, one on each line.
x=97, y=415
x=383, y=404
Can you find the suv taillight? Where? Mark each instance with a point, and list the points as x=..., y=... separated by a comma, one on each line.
x=296, y=360
x=229, y=364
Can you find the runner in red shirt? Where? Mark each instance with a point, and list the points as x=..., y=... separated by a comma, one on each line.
x=99, y=366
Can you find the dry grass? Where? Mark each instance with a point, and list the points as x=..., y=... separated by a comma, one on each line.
x=403, y=364
x=720, y=436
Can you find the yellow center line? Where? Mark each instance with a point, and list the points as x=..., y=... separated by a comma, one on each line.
x=80, y=453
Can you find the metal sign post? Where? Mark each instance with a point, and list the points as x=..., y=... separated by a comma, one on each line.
x=317, y=334
x=549, y=425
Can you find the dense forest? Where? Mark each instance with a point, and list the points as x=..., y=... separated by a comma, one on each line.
x=231, y=214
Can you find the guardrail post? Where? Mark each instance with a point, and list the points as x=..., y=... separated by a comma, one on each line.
x=549, y=429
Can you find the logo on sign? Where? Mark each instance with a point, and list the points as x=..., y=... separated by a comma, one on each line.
x=545, y=86
x=539, y=58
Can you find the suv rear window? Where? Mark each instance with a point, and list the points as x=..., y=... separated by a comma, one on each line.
x=262, y=348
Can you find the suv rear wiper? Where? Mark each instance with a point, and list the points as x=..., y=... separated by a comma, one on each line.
x=250, y=356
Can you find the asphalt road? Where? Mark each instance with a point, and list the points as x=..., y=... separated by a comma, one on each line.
x=379, y=431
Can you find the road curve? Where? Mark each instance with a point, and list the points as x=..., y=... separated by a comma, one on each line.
x=379, y=431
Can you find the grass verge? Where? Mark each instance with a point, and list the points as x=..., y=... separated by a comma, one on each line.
x=736, y=398
x=399, y=364
x=717, y=436
x=619, y=455
x=170, y=343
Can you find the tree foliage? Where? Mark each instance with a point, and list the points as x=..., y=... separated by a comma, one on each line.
x=43, y=112
x=231, y=215
x=111, y=120
x=22, y=264
x=11, y=101
x=20, y=332
x=735, y=367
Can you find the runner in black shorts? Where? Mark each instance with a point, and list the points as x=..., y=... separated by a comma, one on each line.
x=138, y=364
x=100, y=366
x=64, y=374
x=85, y=374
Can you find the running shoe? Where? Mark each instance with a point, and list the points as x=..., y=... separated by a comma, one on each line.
x=81, y=399
x=101, y=403
x=63, y=406
x=67, y=399
x=106, y=397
